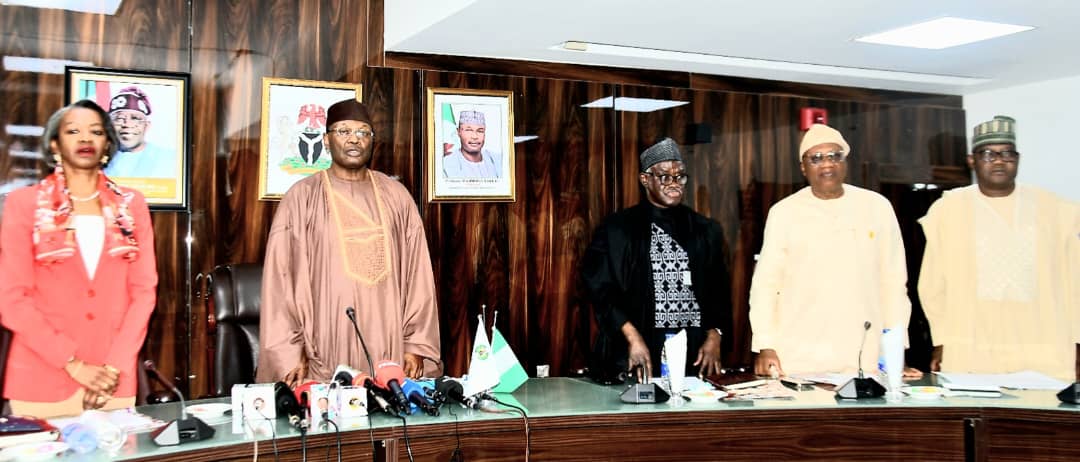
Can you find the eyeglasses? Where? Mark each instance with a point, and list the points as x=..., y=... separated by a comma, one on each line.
x=990, y=155
x=360, y=133
x=666, y=179
x=818, y=157
x=125, y=119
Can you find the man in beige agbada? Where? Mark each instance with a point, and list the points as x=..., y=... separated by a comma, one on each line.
x=999, y=279
x=347, y=237
x=832, y=259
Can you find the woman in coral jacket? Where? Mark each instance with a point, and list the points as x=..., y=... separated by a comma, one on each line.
x=77, y=275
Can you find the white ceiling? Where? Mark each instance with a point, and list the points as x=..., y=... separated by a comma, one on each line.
x=777, y=32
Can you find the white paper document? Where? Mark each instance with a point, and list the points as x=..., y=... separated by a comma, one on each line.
x=828, y=378
x=1024, y=380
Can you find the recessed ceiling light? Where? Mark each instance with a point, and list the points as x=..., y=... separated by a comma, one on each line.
x=24, y=130
x=943, y=33
x=763, y=64
x=20, y=154
x=83, y=6
x=627, y=104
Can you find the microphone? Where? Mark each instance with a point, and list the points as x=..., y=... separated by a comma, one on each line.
x=351, y=313
x=343, y=375
x=389, y=375
x=454, y=391
x=861, y=387
x=302, y=392
x=416, y=395
x=377, y=396
x=286, y=404
x=866, y=328
x=183, y=430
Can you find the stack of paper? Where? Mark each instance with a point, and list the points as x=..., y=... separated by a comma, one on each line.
x=1024, y=380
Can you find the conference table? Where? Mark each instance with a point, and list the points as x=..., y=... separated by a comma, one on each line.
x=576, y=419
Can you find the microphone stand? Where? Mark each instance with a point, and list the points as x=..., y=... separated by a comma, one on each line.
x=351, y=313
x=183, y=430
x=861, y=386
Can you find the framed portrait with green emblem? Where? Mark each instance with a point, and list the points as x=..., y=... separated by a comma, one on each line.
x=291, y=145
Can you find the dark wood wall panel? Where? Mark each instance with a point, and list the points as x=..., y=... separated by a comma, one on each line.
x=520, y=258
x=475, y=247
x=629, y=76
x=475, y=65
x=393, y=96
x=833, y=92
x=567, y=192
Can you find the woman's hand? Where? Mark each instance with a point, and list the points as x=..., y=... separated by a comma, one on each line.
x=101, y=380
x=92, y=400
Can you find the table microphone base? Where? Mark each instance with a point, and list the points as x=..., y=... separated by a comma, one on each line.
x=644, y=393
x=182, y=431
x=1071, y=394
x=859, y=388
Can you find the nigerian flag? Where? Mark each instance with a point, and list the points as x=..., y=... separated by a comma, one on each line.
x=511, y=374
x=449, y=130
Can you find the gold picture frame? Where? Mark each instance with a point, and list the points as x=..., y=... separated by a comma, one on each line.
x=463, y=164
x=149, y=111
x=293, y=125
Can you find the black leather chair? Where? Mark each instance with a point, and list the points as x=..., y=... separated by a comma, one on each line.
x=234, y=296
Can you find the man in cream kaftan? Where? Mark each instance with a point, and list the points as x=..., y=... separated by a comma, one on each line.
x=832, y=260
x=1000, y=270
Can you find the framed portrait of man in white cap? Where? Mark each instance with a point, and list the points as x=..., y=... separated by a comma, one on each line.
x=149, y=112
x=470, y=145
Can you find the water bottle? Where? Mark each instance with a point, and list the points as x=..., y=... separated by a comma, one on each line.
x=881, y=355
x=665, y=370
x=892, y=361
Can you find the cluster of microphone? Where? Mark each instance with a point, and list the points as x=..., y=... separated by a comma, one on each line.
x=388, y=390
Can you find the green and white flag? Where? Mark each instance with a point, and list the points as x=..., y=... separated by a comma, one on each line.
x=483, y=374
x=449, y=129
x=511, y=374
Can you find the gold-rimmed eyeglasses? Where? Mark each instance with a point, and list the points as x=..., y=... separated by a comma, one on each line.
x=359, y=133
